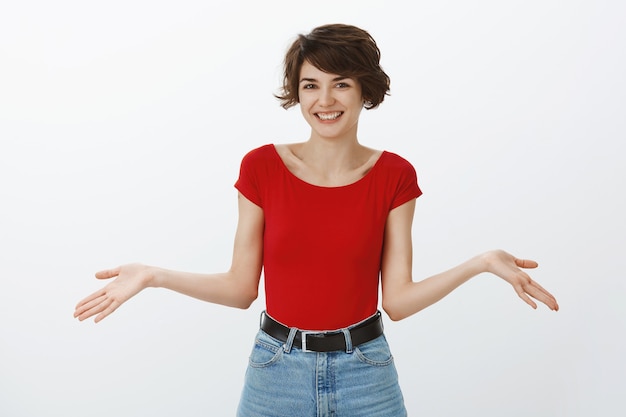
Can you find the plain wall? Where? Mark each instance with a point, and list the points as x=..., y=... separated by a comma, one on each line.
x=122, y=125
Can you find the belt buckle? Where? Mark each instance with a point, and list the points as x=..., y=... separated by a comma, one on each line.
x=303, y=335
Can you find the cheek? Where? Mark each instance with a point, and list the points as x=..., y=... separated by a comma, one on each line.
x=304, y=110
x=304, y=101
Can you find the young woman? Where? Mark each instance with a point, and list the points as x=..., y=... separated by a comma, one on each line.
x=326, y=220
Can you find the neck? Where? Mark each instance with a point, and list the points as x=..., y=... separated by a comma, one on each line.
x=331, y=155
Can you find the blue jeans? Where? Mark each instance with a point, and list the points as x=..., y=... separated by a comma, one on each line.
x=284, y=381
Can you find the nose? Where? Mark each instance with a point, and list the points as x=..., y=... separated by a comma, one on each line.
x=326, y=97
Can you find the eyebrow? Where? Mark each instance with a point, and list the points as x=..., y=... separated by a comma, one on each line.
x=309, y=80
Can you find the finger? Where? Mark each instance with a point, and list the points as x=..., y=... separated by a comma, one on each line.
x=525, y=297
x=89, y=304
x=539, y=293
x=110, y=309
x=98, y=308
x=550, y=302
x=91, y=297
x=535, y=290
x=108, y=273
x=526, y=263
x=536, y=284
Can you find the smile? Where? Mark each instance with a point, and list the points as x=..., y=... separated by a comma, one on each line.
x=329, y=116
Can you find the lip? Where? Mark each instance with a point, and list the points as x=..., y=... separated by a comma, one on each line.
x=328, y=116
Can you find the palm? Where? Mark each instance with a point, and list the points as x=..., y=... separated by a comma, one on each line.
x=508, y=267
x=129, y=280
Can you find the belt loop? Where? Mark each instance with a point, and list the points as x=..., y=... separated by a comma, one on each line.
x=346, y=334
x=289, y=343
x=261, y=317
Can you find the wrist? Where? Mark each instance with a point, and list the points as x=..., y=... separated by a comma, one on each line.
x=488, y=260
x=478, y=264
x=153, y=276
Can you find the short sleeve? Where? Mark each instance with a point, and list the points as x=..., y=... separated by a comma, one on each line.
x=406, y=183
x=248, y=181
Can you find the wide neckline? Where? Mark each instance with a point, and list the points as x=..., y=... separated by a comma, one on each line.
x=354, y=183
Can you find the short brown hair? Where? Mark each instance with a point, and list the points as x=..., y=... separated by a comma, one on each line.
x=338, y=49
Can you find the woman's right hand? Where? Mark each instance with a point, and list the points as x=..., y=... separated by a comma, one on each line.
x=129, y=280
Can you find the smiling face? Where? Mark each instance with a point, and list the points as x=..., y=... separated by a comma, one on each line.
x=330, y=103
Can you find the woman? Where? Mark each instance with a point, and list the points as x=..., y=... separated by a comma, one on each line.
x=326, y=220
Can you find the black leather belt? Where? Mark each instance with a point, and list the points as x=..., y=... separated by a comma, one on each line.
x=363, y=332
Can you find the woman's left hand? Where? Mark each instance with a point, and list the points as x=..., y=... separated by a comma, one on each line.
x=508, y=267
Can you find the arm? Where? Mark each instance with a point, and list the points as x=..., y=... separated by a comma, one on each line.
x=401, y=297
x=238, y=287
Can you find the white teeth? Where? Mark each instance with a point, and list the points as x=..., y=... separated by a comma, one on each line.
x=329, y=116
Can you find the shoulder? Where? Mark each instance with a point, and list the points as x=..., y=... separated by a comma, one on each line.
x=260, y=153
x=263, y=156
x=396, y=163
x=401, y=178
x=257, y=166
x=392, y=158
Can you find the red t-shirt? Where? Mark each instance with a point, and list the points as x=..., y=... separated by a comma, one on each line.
x=323, y=245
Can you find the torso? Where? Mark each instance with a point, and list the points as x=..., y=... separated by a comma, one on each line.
x=323, y=240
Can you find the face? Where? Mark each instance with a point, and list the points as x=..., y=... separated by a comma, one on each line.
x=330, y=103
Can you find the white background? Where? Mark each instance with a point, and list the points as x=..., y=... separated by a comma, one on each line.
x=122, y=125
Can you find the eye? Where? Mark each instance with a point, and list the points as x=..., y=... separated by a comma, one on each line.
x=343, y=85
x=308, y=86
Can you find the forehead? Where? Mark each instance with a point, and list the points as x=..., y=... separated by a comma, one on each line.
x=310, y=71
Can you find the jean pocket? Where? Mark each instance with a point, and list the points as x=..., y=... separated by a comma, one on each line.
x=375, y=352
x=266, y=351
